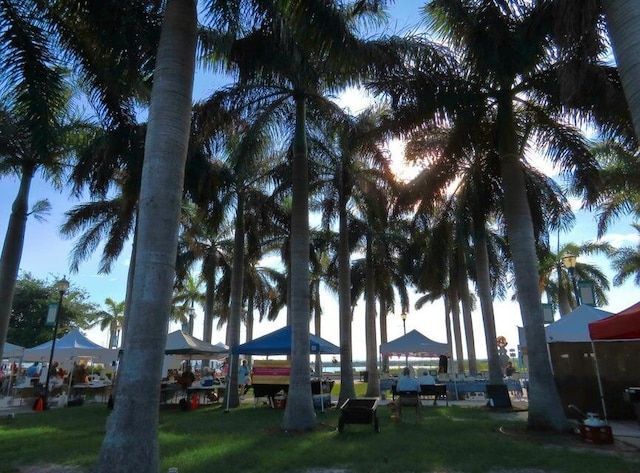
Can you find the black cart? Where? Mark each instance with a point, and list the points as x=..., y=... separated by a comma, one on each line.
x=359, y=411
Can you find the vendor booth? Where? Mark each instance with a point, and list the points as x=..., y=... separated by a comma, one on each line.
x=71, y=347
x=181, y=343
x=571, y=357
x=279, y=343
x=616, y=345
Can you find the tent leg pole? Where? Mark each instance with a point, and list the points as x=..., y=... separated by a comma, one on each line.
x=595, y=359
x=228, y=393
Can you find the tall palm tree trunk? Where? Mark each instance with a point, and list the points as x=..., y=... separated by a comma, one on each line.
x=486, y=301
x=134, y=421
x=235, y=317
x=317, y=319
x=463, y=287
x=623, y=17
x=12, y=253
x=457, y=329
x=299, y=414
x=545, y=407
x=383, y=335
x=373, y=383
x=250, y=320
x=347, y=386
x=447, y=322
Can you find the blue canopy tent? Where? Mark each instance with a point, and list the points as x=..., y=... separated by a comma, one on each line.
x=279, y=343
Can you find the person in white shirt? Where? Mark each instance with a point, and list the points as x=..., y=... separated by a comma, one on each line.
x=426, y=378
x=406, y=384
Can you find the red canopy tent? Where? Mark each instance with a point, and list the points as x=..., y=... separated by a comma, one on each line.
x=624, y=325
x=616, y=349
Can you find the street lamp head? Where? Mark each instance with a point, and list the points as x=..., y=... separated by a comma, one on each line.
x=403, y=316
x=569, y=260
x=63, y=285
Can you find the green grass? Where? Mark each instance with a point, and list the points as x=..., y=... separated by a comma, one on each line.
x=247, y=439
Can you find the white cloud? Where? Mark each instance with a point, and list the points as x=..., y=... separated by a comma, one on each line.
x=619, y=240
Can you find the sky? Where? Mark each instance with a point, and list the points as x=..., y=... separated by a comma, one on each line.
x=46, y=253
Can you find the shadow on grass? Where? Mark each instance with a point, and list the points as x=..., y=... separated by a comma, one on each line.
x=249, y=439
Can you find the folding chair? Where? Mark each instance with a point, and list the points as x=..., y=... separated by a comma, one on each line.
x=409, y=398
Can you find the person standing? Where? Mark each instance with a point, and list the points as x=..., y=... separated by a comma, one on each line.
x=244, y=378
x=33, y=371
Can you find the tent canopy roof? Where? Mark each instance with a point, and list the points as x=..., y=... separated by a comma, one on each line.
x=12, y=351
x=415, y=344
x=574, y=326
x=624, y=325
x=279, y=343
x=181, y=343
x=73, y=344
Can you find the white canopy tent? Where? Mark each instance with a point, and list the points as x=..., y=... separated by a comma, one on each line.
x=572, y=358
x=414, y=344
x=70, y=347
x=12, y=351
x=181, y=343
x=574, y=326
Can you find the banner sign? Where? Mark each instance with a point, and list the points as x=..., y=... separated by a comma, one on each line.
x=271, y=372
x=51, y=315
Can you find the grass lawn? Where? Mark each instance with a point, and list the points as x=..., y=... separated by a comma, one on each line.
x=247, y=439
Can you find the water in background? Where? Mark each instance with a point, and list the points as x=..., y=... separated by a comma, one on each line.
x=418, y=368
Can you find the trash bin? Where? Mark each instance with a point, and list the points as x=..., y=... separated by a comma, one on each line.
x=364, y=376
x=633, y=394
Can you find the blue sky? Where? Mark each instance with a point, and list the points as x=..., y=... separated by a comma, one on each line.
x=46, y=255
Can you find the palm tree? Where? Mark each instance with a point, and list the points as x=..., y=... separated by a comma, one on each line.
x=383, y=239
x=507, y=78
x=135, y=416
x=626, y=261
x=35, y=101
x=622, y=16
x=285, y=67
x=202, y=240
x=112, y=319
x=187, y=294
x=349, y=159
x=561, y=291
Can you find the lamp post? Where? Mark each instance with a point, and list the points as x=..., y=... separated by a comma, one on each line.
x=62, y=285
x=404, y=327
x=569, y=261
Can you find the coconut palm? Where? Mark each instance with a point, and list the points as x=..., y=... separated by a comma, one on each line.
x=287, y=67
x=620, y=179
x=134, y=420
x=23, y=155
x=112, y=320
x=559, y=284
x=187, y=294
x=626, y=263
x=622, y=16
x=382, y=240
x=202, y=237
x=506, y=77
x=349, y=158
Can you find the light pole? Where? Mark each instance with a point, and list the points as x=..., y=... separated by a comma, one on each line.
x=569, y=261
x=404, y=327
x=63, y=285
